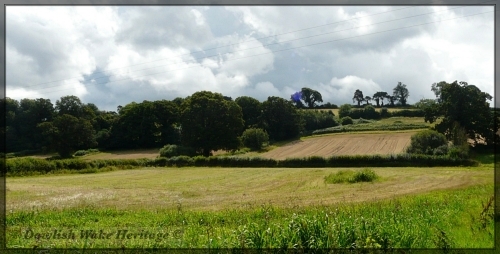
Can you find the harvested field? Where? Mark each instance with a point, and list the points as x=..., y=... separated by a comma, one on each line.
x=221, y=188
x=128, y=154
x=344, y=144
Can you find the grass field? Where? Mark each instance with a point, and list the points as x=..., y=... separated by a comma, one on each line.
x=231, y=203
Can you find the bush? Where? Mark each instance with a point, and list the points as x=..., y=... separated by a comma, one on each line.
x=346, y=120
x=345, y=110
x=365, y=175
x=349, y=176
x=85, y=152
x=426, y=142
x=176, y=150
x=369, y=112
x=254, y=138
x=384, y=113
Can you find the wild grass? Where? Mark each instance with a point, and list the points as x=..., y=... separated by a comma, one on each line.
x=350, y=176
x=440, y=219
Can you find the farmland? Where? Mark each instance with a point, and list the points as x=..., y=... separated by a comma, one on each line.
x=215, y=207
x=344, y=144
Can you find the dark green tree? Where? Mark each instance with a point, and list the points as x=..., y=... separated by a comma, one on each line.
x=311, y=97
x=401, y=93
x=281, y=119
x=391, y=99
x=251, y=109
x=463, y=105
x=209, y=122
x=379, y=96
x=70, y=105
x=358, y=96
x=368, y=99
x=66, y=134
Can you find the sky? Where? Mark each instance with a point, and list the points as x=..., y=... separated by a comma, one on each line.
x=114, y=55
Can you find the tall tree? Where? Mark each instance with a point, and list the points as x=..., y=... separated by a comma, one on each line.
x=368, y=99
x=401, y=93
x=379, y=96
x=358, y=96
x=311, y=97
x=209, y=122
x=463, y=105
x=67, y=133
x=70, y=105
x=391, y=99
x=281, y=119
x=251, y=109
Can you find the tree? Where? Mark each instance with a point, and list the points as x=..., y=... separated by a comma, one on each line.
x=379, y=96
x=251, y=109
x=310, y=97
x=358, y=96
x=280, y=119
x=368, y=99
x=209, y=122
x=145, y=125
x=391, y=99
x=70, y=105
x=254, y=138
x=66, y=134
x=463, y=105
x=401, y=93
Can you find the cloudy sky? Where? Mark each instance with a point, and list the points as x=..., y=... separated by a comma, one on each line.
x=113, y=55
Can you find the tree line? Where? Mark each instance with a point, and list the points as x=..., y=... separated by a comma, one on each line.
x=207, y=121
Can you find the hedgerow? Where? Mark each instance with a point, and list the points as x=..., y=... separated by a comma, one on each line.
x=32, y=166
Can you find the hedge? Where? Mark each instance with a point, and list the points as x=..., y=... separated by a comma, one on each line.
x=30, y=166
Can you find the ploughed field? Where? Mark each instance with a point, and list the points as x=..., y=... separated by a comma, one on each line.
x=344, y=144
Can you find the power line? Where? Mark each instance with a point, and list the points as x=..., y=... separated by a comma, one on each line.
x=202, y=51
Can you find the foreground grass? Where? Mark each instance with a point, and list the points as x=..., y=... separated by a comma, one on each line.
x=440, y=219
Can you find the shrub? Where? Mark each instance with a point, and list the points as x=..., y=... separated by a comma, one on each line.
x=254, y=138
x=425, y=142
x=346, y=120
x=345, y=110
x=384, y=113
x=176, y=150
x=365, y=175
x=369, y=112
x=85, y=152
x=349, y=176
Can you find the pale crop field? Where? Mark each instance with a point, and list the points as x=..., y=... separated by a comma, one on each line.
x=224, y=188
x=344, y=144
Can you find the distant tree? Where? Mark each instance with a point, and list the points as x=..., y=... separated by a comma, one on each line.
x=209, y=122
x=66, y=134
x=391, y=99
x=401, y=93
x=310, y=97
x=368, y=99
x=379, y=96
x=345, y=110
x=251, y=109
x=296, y=99
x=281, y=119
x=358, y=96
